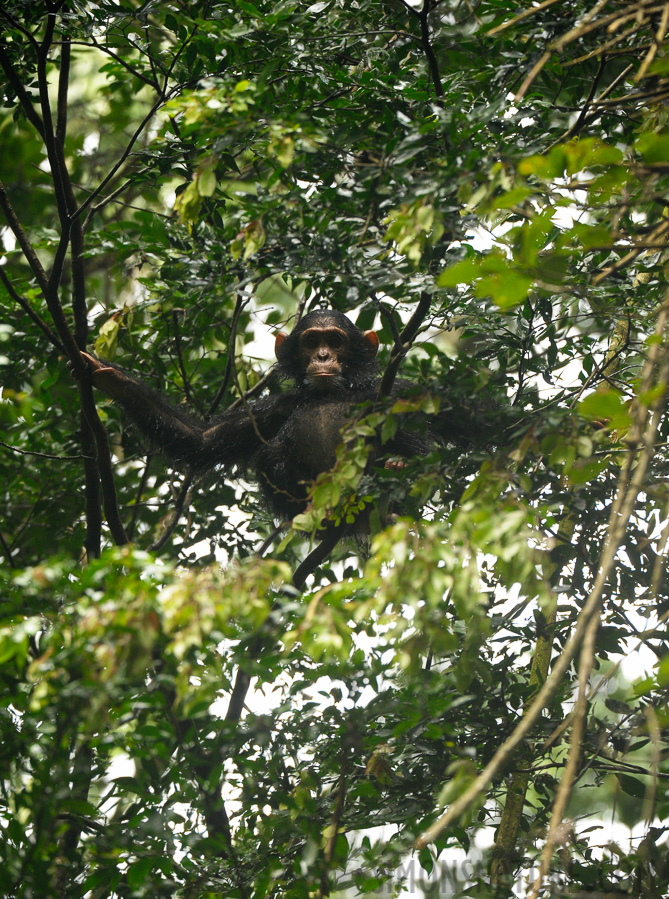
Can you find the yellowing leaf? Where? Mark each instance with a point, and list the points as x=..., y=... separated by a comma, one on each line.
x=107, y=342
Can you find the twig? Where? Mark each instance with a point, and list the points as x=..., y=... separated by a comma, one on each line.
x=112, y=196
x=660, y=231
x=584, y=27
x=130, y=530
x=23, y=452
x=164, y=95
x=654, y=763
x=180, y=359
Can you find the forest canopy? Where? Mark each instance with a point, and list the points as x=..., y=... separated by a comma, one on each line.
x=470, y=698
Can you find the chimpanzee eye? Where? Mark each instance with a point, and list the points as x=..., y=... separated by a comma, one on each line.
x=336, y=340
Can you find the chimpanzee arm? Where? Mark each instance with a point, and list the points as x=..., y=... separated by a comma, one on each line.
x=184, y=439
x=171, y=430
x=233, y=438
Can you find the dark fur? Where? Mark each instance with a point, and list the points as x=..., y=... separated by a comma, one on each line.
x=283, y=441
x=363, y=368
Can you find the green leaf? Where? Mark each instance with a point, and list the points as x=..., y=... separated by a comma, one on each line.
x=107, y=341
x=632, y=786
x=506, y=289
x=138, y=872
x=606, y=405
x=653, y=148
x=512, y=198
x=464, y=272
x=206, y=180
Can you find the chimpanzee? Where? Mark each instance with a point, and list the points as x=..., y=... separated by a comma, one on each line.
x=284, y=441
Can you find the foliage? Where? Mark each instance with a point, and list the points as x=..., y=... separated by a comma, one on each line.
x=485, y=185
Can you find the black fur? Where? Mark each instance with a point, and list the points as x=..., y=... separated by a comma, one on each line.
x=361, y=375
x=284, y=441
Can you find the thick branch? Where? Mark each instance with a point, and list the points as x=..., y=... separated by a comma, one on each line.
x=63, y=87
x=429, y=52
x=49, y=135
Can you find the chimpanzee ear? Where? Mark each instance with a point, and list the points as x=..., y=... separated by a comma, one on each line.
x=371, y=338
x=279, y=341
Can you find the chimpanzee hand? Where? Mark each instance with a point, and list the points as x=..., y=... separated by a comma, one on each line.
x=108, y=378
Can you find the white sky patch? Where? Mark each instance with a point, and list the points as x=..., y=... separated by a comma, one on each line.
x=91, y=143
x=8, y=239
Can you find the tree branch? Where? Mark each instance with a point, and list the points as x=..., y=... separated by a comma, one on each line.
x=433, y=65
x=164, y=95
x=63, y=88
x=642, y=434
x=23, y=96
x=403, y=345
x=27, y=308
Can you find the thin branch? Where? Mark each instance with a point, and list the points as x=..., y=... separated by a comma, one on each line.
x=164, y=95
x=15, y=23
x=119, y=59
x=230, y=361
x=523, y=15
x=182, y=500
x=22, y=94
x=49, y=136
x=27, y=308
x=588, y=23
x=580, y=121
x=577, y=729
x=661, y=230
x=656, y=45
x=113, y=195
x=130, y=530
x=122, y=159
x=22, y=239
x=58, y=458
x=405, y=340
x=318, y=555
x=256, y=646
x=7, y=551
x=152, y=61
